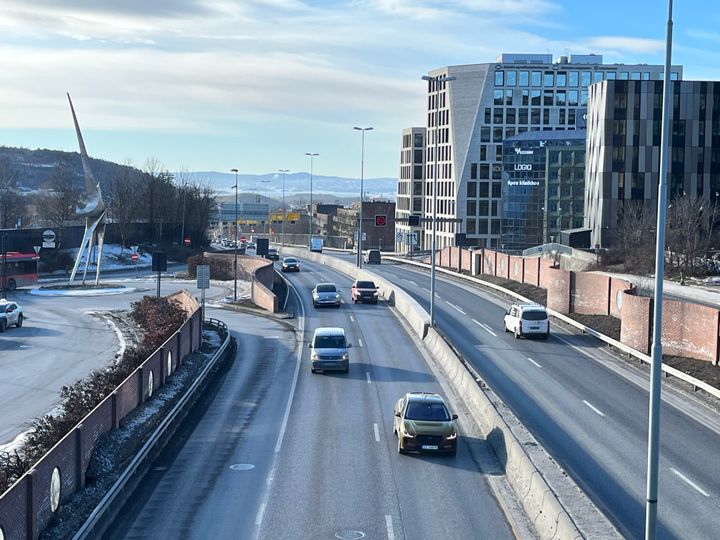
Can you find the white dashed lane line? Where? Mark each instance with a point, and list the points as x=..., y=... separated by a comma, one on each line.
x=689, y=482
x=367, y=376
x=456, y=307
x=595, y=409
x=389, y=525
x=484, y=327
x=352, y=319
x=411, y=282
x=426, y=289
x=534, y=362
x=360, y=342
x=377, y=432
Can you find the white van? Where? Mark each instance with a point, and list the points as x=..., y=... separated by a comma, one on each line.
x=329, y=350
x=527, y=320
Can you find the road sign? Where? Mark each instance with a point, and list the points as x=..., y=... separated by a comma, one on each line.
x=134, y=257
x=203, y=276
x=187, y=241
x=412, y=239
x=243, y=239
x=48, y=239
x=398, y=237
x=381, y=220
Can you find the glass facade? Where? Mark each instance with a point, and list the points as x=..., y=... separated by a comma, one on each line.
x=542, y=187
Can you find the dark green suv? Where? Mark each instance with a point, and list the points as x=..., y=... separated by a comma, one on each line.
x=423, y=423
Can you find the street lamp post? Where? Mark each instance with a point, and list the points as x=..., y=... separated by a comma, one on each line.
x=282, y=223
x=362, y=174
x=437, y=82
x=267, y=218
x=236, y=233
x=310, y=209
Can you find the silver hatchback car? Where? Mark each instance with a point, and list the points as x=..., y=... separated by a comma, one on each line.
x=326, y=294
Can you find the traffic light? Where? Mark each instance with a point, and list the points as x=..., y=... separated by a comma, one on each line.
x=381, y=220
x=414, y=221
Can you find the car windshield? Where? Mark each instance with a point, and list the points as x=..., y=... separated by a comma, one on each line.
x=330, y=342
x=290, y=261
x=535, y=315
x=365, y=285
x=326, y=288
x=427, y=411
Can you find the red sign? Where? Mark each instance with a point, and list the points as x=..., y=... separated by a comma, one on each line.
x=380, y=220
x=187, y=241
x=134, y=257
x=243, y=239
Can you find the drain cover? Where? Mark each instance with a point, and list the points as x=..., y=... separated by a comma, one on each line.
x=242, y=466
x=349, y=534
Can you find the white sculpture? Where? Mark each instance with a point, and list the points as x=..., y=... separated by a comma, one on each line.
x=93, y=210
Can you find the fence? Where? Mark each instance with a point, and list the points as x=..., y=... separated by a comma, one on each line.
x=28, y=505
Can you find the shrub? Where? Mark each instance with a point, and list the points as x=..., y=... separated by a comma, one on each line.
x=220, y=267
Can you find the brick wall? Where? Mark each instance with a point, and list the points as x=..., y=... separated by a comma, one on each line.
x=516, y=268
x=546, y=267
x=128, y=395
x=531, y=272
x=502, y=268
x=93, y=426
x=635, y=321
x=466, y=260
x=558, y=289
x=489, y=260
x=13, y=504
x=590, y=294
x=690, y=330
x=617, y=286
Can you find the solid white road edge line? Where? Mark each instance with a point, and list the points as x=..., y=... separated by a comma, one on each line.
x=534, y=362
x=389, y=525
x=377, y=432
x=690, y=482
x=595, y=409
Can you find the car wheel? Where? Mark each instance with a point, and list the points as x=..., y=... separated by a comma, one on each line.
x=505, y=326
x=516, y=333
x=546, y=335
x=400, y=448
x=312, y=370
x=19, y=322
x=3, y=325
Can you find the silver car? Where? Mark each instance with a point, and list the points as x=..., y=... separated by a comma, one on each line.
x=11, y=314
x=325, y=294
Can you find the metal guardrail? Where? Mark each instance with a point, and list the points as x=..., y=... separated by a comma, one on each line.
x=669, y=370
x=87, y=529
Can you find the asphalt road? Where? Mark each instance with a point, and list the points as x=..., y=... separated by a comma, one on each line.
x=323, y=455
x=588, y=409
x=59, y=343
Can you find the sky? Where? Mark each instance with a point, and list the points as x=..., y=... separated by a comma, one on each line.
x=255, y=84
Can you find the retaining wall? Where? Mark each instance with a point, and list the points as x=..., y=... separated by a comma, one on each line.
x=27, y=506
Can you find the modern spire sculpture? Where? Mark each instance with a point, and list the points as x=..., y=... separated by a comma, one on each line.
x=93, y=210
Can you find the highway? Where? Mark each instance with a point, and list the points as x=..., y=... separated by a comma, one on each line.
x=587, y=408
x=59, y=343
x=279, y=452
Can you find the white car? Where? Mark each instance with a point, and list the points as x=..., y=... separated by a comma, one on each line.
x=326, y=294
x=527, y=320
x=10, y=314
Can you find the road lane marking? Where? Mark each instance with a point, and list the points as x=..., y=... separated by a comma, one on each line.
x=598, y=411
x=411, y=282
x=692, y=484
x=484, y=327
x=456, y=307
x=360, y=342
x=367, y=376
x=377, y=433
x=534, y=362
x=352, y=319
x=389, y=525
x=426, y=289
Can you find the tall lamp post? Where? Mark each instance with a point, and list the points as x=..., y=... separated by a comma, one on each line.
x=267, y=218
x=236, y=233
x=282, y=223
x=362, y=174
x=437, y=82
x=310, y=213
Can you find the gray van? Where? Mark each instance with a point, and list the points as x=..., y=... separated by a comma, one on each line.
x=329, y=350
x=372, y=256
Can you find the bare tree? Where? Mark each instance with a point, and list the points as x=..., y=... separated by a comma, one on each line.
x=691, y=232
x=10, y=200
x=57, y=206
x=635, y=227
x=124, y=195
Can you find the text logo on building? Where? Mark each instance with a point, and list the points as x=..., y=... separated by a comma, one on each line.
x=523, y=166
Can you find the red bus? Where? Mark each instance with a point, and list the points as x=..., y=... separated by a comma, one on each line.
x=18, y=270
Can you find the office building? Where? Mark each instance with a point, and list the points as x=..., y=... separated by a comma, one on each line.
x=623, y=148
x=543, y=188
x=378, y=224
x=471, y=116
x=411, y=180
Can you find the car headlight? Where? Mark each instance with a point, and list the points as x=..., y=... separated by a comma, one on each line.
x=346, y=356
x=337, y=295
x=313, y=356
x=405, y=433
x=451, y=437
x=375, y=293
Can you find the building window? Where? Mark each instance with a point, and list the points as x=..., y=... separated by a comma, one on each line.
x=560, y=98
x=471, y=226
x=546, y=116
x=624, y=76
x=511, y=78
x=498, y=155
x=483, y=190
x=548, y=98
x=417, y=189
x=488, y=115
x=583, y=98
x=611, y=75
x=674, y=76
x=522, y=116
x=497, y=115
x=524, y=78
x=508, y=97
x=561, y=78
x=597, y=76
x=497, y=134
x=484, y=171
x=485, y=134
x=549, y=79
x=417, y=172
x=471, y=190
x=473, y=171
x=418, y=141
x=561, y=119
x=509, y=132
x=483, y=208
x=535, y=98
x=635, y=76
x=510, y=116
x=494, y=226
x=471, y=208
x=572, y=98
x=483, y=152
x=585, y=78
x=536, y=78
x=482, y=226
x=498, y=97
x=535, y=116
x=496, y=190
x=499, y=77
x=417, y=156
x=573, y=78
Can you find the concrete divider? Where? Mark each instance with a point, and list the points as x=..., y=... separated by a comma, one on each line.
x=539, y=500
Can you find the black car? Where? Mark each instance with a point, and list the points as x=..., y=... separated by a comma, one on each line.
x=290, y=264
x=272, y=254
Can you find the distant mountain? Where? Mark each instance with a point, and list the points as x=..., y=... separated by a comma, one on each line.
x=299, y=184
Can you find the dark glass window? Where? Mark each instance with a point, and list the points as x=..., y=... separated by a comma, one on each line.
x=472, y=189
x=525, y=97
x=498, y=97
x=473, y=171
x=483, y=190
x=535, y=98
